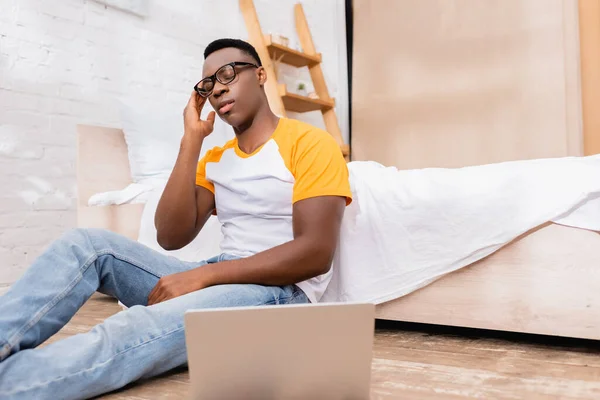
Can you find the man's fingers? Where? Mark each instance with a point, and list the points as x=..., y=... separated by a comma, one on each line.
x=153, y=294
x=211, y=118
x=192, y=102
x=160, y=298
x=151, y=299
x=196, y=102
x=200, y=103
x=154, y=290
x=154, y=298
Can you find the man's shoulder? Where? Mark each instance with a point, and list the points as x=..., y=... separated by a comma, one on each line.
x=214, y=154
x=300, y=131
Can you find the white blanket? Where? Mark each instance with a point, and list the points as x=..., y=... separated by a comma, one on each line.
x=133, y=193
x=405, y=229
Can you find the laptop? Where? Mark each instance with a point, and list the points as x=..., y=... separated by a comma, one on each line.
x=296, y=351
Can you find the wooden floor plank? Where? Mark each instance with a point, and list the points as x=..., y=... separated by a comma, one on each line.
x=419, y=364
x=508, y=363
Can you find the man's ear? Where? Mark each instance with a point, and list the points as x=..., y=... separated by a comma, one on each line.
x=261, y=74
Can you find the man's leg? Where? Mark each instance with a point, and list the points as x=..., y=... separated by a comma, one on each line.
x=60, y=281
x=136, y=343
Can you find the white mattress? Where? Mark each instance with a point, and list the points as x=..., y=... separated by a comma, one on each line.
x=407, y=228
x=404, y=229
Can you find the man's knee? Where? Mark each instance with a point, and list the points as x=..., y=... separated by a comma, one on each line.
x=86, y=240
x=74, y=236
x=78, y=236
x=86, y=235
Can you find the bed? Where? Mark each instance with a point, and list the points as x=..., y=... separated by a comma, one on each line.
x=544, y=282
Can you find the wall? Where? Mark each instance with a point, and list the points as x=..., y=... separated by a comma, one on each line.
x=465, y=82
x=64, y=63
x=589, y=35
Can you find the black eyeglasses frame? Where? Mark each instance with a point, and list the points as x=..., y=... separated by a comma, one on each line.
x=214, y=78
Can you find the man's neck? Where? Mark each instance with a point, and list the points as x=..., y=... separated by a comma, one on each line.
x=258, y=131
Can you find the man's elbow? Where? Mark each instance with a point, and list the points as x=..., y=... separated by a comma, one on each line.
x=324, y=268
x=171, y=237
x=323, y=259
x=168, y=242
x=165, y=244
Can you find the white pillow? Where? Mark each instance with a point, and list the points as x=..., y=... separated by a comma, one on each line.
x=153, y=134
x=204, y=246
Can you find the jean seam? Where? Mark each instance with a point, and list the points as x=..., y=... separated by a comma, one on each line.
x=4, y=349
x=119, y=353
x=131, y=261
x=295, y=295
x=113, y=357
x=16, y=337
x=118, y=256
x=299, y=292
x=286, y=299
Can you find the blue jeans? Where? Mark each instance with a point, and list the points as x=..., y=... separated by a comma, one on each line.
x=136, y=343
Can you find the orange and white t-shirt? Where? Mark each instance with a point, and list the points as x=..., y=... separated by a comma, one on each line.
x=254, y=193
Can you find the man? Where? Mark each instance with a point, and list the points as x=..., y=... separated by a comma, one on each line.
x=279, y=189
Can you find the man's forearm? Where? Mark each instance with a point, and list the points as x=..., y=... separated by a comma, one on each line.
x=176, y=210
x=316, y=223
x=287, y=264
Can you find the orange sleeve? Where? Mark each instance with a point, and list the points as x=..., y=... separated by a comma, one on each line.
x=201, y=173
x=319, y=167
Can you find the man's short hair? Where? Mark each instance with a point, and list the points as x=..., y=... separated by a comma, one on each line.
x=235, y=43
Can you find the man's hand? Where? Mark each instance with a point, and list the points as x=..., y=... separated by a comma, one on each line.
x=175, y=285
x=191, y=117
x=184, y=207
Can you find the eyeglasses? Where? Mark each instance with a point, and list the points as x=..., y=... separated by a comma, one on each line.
x=225, y=75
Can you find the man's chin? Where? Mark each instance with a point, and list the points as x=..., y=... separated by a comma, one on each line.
x=230, y=118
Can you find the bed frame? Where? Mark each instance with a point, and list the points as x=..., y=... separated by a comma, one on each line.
x=544, y=282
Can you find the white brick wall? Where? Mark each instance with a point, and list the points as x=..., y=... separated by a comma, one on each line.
x=63, y=62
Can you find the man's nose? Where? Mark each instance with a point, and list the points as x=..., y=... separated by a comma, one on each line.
x=219, y=89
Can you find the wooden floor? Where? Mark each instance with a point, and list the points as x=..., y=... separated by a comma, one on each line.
x=423, y=362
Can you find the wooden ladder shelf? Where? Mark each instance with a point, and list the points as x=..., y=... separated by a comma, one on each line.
x=280, y=99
